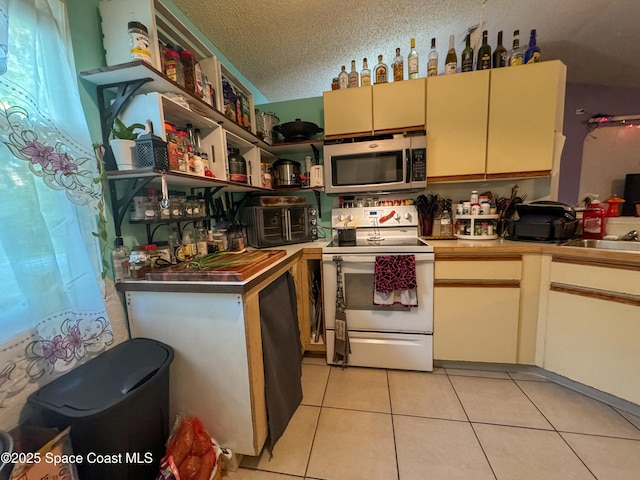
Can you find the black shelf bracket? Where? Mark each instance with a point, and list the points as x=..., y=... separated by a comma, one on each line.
x=318, y=203
x=110, y=110
x=119, y=205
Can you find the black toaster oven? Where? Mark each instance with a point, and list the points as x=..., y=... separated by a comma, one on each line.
x=271, y=226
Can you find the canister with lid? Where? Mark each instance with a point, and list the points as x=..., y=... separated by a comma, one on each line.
x=139, y=264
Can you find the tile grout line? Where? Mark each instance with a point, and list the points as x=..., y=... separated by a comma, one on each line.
x=393, y=426
x=555, y=430
x=471, y=425
x=315, y=431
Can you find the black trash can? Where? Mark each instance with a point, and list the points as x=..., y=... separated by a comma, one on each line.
x=117, y=405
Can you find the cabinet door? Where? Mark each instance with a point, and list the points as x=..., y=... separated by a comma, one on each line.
x=348, y=112
x=526, y=109
x=594, y=341
x=476, y=324
x=399, y=106
x=457, y=111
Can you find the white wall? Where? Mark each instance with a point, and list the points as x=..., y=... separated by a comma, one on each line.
x=609, y=153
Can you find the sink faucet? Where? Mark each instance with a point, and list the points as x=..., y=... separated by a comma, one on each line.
x=632, y=235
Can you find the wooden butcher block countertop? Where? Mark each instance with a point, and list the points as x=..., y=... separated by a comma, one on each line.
x=224, y=267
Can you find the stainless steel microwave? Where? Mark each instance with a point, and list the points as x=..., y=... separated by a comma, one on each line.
x=380, y=164
x=280, y=225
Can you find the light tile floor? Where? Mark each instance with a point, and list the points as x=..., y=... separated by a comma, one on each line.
x=375, y=424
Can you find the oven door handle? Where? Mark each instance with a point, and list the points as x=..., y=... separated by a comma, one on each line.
x=371, y=258
x=287, y=225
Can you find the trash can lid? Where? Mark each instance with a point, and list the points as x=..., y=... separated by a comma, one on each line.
x=105, y=380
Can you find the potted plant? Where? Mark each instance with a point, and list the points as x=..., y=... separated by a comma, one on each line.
x=123, y=143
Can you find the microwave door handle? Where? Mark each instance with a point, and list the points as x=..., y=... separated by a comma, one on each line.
x=408, y=153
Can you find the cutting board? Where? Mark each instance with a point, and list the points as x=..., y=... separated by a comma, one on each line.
x=227, y=267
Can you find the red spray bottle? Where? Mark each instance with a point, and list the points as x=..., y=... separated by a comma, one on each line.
x=593, y=220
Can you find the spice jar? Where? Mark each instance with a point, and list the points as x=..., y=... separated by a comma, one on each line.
x=192, y=72
x=139, y=42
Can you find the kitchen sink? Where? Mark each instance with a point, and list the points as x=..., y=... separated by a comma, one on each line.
x=630, y=246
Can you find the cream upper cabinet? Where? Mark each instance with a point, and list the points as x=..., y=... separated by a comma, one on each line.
x=457, y=111
x=399, y=105
x=384, y=108
x=526, y=110
x=348, y=112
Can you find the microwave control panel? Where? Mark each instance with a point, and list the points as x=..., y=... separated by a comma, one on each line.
x=418, y=165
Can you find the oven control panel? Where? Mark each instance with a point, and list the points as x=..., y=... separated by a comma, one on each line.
x=382, y=217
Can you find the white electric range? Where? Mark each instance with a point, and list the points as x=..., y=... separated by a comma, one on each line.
x=396, y=337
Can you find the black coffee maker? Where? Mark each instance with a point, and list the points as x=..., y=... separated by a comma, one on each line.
x=631, y=194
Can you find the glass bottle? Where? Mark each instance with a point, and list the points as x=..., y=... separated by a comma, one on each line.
x=467, y=56
x=120, y=261
x=381, y=71
x=446, y=228
x=174, y=243
x=484, y=54
x=432, y=64
x=500, y=53
x=201, y=242
x=365, y=74
x=398, y=67
x=515, y=57
x=412, y=61
x=451, y=60
x=343, y=78
x=532, y=55
x=353, y=75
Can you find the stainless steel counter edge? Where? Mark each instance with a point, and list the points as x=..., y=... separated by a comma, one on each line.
x=475, y=247
x=293, y=253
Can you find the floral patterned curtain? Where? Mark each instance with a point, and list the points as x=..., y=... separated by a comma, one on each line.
x=52, y=312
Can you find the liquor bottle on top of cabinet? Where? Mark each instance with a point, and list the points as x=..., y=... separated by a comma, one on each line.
x=432, y=64
x=365, y=74
x=467, y=56
x=451, y=60
x=398, y=67
x=353, y=76
x=532, y=55
x=484, y=54
x=500, y=53
x=515, y=56
x=343, y=78
x=381, y=71
x=412, y=61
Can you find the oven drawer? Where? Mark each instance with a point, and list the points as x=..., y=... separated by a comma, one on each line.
x=402, y=351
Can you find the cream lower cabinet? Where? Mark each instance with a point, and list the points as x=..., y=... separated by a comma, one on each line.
x=476, y=308
x=592, y=328
x=457, y=111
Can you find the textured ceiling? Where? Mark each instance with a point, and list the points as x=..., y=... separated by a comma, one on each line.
x=292, y=49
